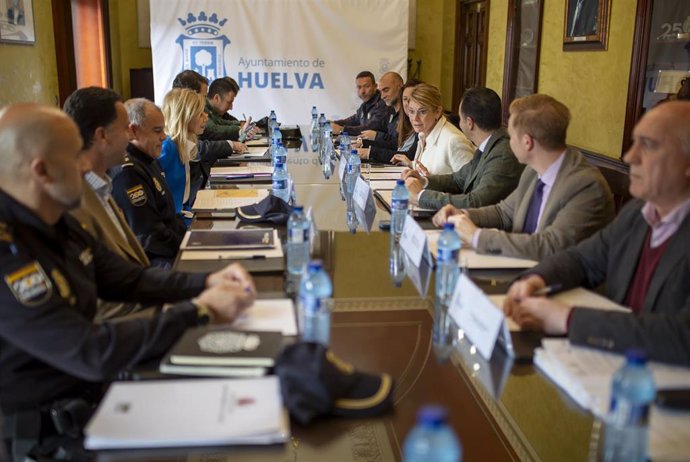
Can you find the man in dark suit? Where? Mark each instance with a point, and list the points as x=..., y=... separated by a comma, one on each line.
x=103, y=124
x=371, y=114
x=643, y=256
x=560, y=198
x=492, y=174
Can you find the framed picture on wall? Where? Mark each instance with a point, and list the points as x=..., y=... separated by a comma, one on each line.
x=17, y=22
x=586, y=24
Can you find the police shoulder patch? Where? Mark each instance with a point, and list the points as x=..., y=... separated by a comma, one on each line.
x=29, y=284
x=137, y=195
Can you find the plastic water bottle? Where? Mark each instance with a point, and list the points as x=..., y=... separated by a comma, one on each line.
x=314, y=129
x=276, y=135
x=447, y=268
x=627, y=424
x=279, y=182
x=322, y=123
x=344, y=144
x=314, y=314
x=272, y=122
x=432, y=440
x=281, y=152
x=352, y=171
x=327, y=160
x=399, y=201
x=298, y=241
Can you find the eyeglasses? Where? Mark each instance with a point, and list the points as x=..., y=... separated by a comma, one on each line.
x=421, y=112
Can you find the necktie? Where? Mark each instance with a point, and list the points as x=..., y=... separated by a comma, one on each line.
x=533, y=211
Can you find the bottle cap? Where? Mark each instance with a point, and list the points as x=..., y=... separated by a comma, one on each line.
x=297, y=208
x=450, y=226
x=432, y=415
x=344, y=133
x=400, y=182
x=315, y=265
x=636, y=356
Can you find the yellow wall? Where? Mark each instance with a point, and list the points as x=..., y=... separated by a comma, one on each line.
x=125, y=51
x=436, y=45
x=498, y=19
x=29, y=72
x=593, y=84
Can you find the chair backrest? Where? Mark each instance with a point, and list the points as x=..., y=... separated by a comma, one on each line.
x=616, y=174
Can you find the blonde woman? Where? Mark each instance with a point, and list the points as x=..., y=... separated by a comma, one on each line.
x=442, y=148
x=185, y=119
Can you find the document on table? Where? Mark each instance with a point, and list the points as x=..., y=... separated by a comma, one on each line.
x=585, y=375
x=383, y=175
x=249, y=170
x=268, y=315
x=382, y=185
x=254, y=151
x=386, y=168
x=251, y=254
x=227, y=199
x=185, y=413
x=261, y=142
x=473, y=260
x=387, y=197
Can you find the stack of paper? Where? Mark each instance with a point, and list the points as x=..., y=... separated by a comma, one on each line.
x=387, y=197
x=585, y=375
x=470, y=259
x=185, y=413
x=227, y=199
x=242, y=172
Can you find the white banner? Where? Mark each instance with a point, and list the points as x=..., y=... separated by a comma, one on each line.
x=287, y=55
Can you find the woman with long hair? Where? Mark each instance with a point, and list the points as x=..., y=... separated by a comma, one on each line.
x=185, y=119
x=442, y=147
x=407, y=137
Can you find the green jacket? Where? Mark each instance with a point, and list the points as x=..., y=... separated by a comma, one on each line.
x=485, y=180
x=220, y=127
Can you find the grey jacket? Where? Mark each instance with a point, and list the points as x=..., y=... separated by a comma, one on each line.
x=485, y=180
x=580, y=203
x=611, y=255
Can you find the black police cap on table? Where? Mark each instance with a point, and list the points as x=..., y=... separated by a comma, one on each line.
x=314, y=382
x=270, y=209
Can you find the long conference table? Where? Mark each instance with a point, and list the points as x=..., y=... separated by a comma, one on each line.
x=500, y=410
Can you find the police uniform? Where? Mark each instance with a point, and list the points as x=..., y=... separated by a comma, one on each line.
x=52, y=277
x=142, y=193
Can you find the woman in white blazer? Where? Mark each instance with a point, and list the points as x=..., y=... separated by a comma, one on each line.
x=442, y=148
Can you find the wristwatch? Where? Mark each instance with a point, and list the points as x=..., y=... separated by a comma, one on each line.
x=203, y=314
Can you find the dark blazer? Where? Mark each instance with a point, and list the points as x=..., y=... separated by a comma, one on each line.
x=611, y=255
x=371, y=115
x=485, y=180
x=580, y=203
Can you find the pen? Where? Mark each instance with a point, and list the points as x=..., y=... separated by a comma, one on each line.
x=548, y=290
x=245, y=116
x=242, y=257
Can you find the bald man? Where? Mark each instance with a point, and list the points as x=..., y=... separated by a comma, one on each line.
x=643, y=256
x=54, y=358
x=381, y=146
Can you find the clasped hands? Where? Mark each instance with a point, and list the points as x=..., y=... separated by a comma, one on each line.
x=228, y=292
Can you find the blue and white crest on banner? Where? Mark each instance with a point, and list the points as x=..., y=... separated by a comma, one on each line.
x=202, y=45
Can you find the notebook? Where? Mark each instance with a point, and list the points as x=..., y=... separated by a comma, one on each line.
x=211, y=200
x=235, y=239
x=221, y=346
